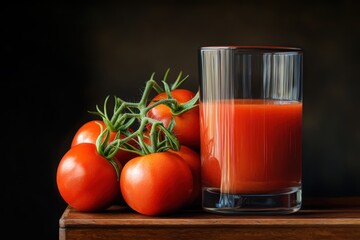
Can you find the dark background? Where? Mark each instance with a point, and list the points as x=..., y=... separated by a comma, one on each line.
x=59, y=60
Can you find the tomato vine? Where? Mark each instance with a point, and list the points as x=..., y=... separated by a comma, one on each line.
x=148, y=130
x=126, y=115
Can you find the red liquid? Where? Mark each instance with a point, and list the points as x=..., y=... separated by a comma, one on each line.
x=251, y=146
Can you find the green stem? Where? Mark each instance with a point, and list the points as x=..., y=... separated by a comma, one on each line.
x=126, y=113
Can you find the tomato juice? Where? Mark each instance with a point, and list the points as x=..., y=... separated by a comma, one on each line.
x=251, y=146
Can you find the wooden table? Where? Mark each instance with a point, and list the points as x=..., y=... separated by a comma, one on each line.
x=320, y=218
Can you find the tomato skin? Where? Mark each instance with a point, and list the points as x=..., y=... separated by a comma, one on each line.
x=89, y=133
x=86, y=180
x=156, y=184
x=192, y=158
x=187, y=126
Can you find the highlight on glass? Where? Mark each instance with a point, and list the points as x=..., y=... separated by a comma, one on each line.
x=251, y=129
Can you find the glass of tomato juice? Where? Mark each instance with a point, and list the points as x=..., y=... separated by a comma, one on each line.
x=251, y=129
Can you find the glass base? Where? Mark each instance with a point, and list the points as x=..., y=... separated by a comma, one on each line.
x=269, y=204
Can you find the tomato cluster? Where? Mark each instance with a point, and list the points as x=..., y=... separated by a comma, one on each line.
x=154, y=168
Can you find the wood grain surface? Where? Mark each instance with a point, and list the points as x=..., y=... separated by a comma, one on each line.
x=320, y=218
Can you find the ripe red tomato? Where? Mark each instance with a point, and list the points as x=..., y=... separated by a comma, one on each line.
x=192, y=158
x=86, y=180
x=187, y=127
x=89, y=133
x=157, y=183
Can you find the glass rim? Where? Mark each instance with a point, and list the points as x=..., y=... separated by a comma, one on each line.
x=262, y=48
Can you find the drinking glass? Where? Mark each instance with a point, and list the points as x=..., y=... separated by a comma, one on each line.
x=251, y=129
